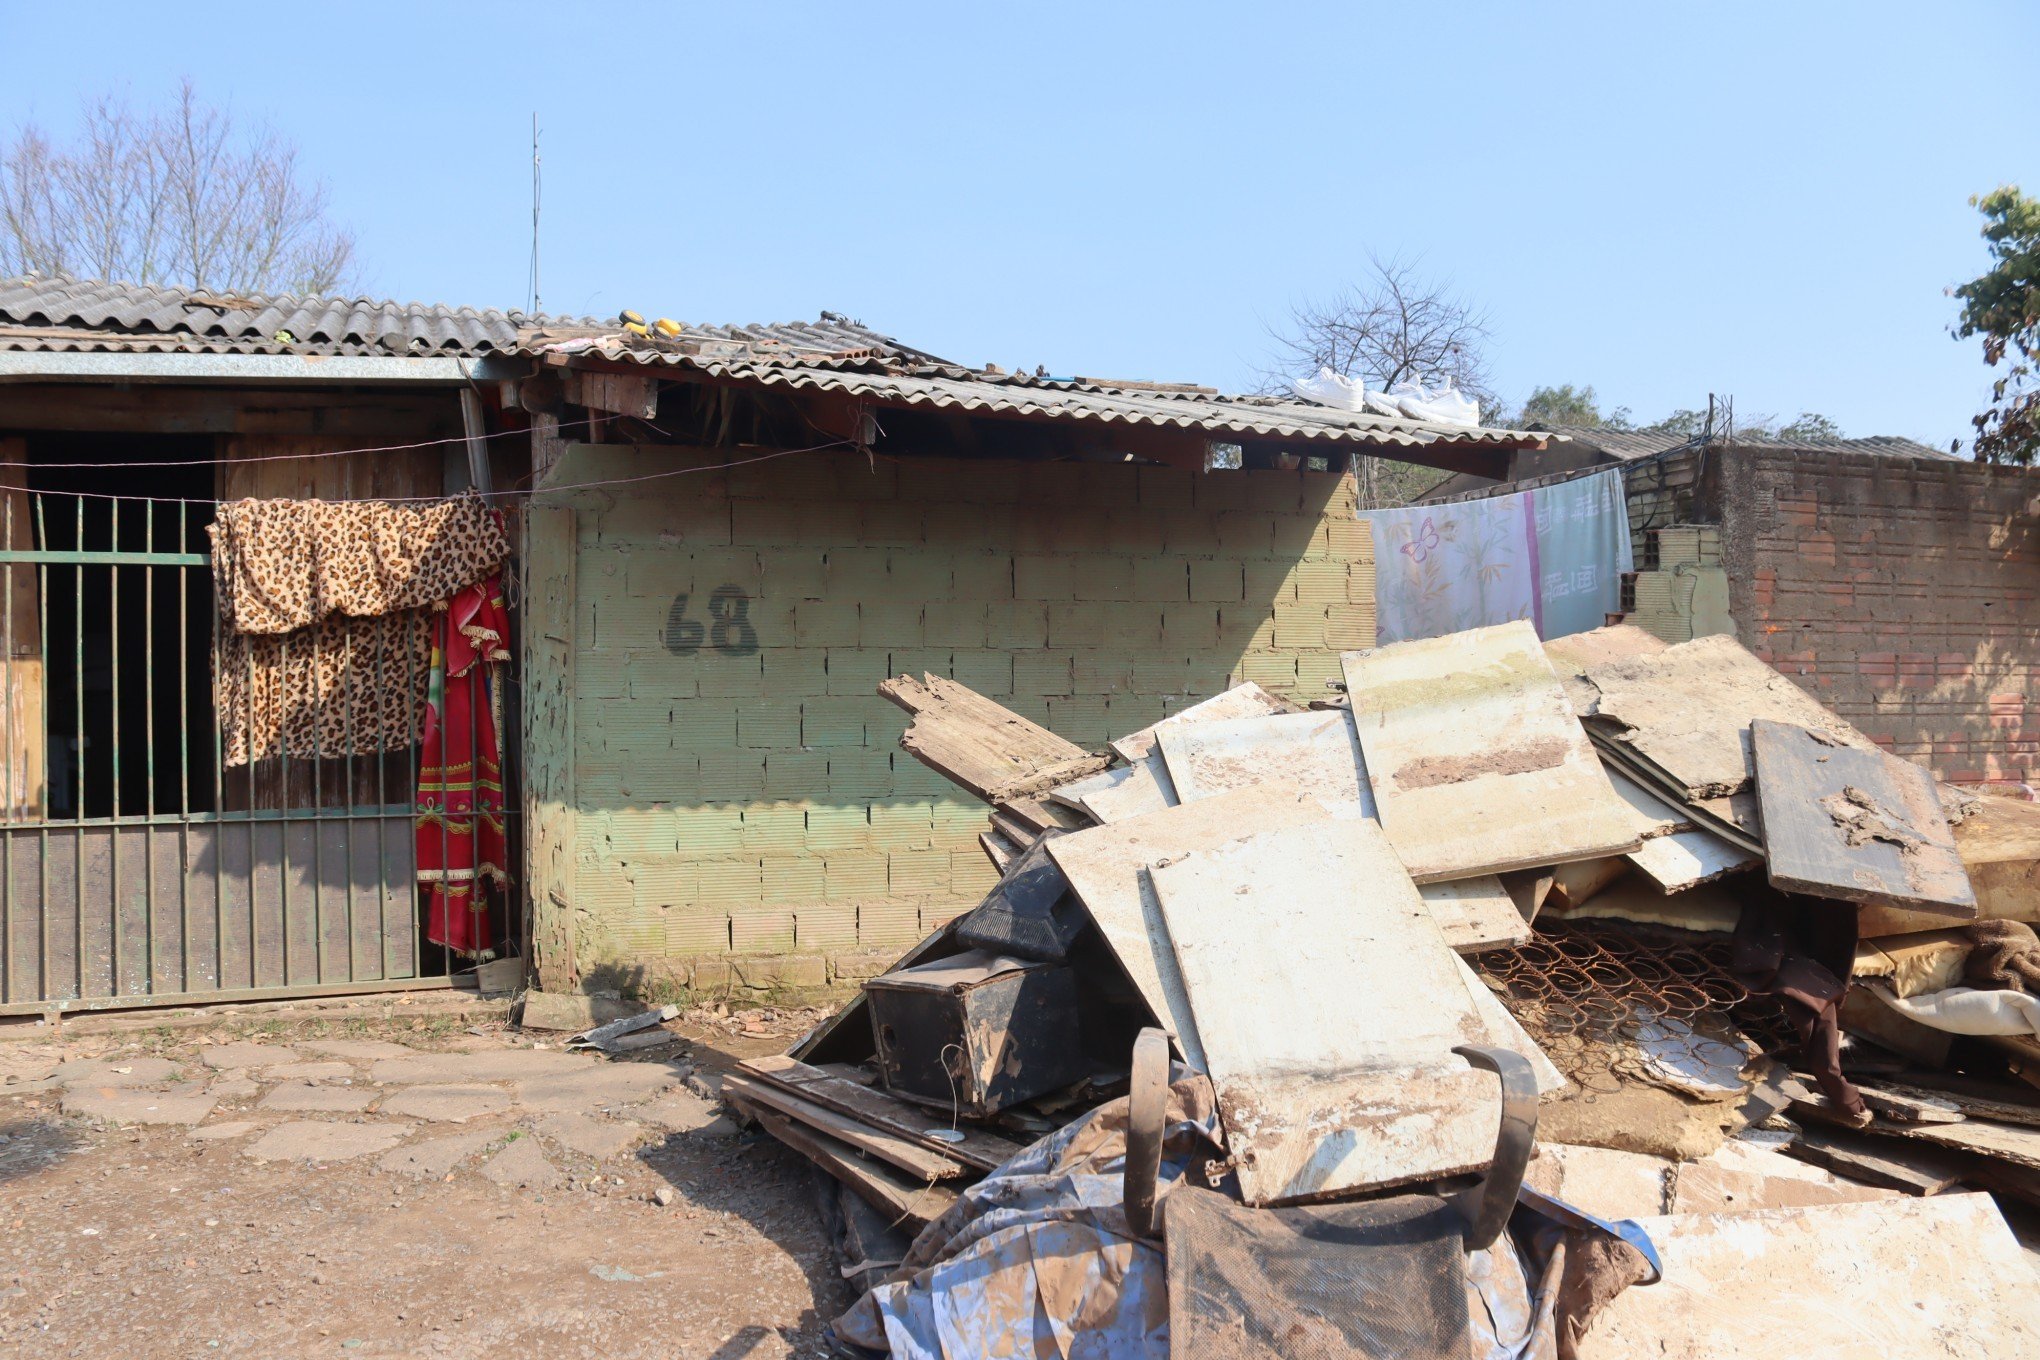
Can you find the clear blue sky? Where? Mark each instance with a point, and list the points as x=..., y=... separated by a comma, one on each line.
x=1659, y=200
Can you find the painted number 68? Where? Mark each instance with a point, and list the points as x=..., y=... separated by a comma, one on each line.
x=728, y=630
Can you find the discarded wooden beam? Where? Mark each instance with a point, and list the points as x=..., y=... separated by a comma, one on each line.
x=902, y=1202
x=1861, y=826
x=1877, y=1161
x=1973, y=1096
x=908, y=1155
x=985, y=1151
x=992, y=751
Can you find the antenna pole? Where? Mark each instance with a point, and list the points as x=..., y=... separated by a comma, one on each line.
x=534, y=212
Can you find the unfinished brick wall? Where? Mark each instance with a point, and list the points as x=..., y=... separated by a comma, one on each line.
x=737, y=788
x=1903, y=593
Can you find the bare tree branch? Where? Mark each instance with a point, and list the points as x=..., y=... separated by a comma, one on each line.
x=180, y=196
x=1393, y=325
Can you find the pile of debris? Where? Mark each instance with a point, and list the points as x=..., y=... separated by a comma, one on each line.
x=1249, y=1052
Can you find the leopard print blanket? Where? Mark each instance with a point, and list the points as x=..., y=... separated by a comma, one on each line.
x=281, y=565
x=340, y=688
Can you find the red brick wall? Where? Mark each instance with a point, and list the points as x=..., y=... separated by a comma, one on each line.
x=1904, y=594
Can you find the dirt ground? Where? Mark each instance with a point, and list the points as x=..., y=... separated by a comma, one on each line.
x=396, y=1184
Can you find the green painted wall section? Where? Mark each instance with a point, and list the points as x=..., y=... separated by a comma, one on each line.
x=737, y=785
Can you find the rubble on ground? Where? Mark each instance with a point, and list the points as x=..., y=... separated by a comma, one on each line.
x=1264, y=984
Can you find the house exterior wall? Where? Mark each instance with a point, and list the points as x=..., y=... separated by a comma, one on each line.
x=737, y=809
x=1903, y=593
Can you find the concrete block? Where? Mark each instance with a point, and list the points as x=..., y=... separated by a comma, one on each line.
x=728, y=676
x=726, y=569
x=1349, y=539
x=1139, y=530
x=796, y=774
x=1299, y=625
x=1082, y=625
x=954, y=623
x=769, y=724
x=850, y=875
x=1349, y=626
x=916, y=873
x=1016, y=625
x=759, y=930
x=795, y=574
x=665, y=881
x=1300, y=536
x=1103, y=577
x=1102, y=670
x=775, y=828
x=917, y=661
x=829, y=722
x=1166, y=488
x=988, y=672
x=695, y=931
x=709, y=832
x=731, y=882
x=793, y=879
x=834, y=828
x=1083, y=719
x=857, y=671
x=859, y=774
x=859, y=574
x=889, y=524
x=1246, y=533
x=1189, y=628
x=897, y=924
x=1319, y=582
x=1270, y=670
x=1162, y=579
x=902, y=826
x=913, y=780
x=920, y=575
x=704, y=724
x=982, y=574
x=1315, y=672
x=1045, y=578
x=1268, y=582
x=1039, y=674
x=825, y=926
x=732, y=776
x=859, y=965
x=890, y=623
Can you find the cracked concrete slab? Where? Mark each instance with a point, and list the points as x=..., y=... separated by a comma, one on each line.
x=512, y=1064
x=598, y=1138
x=356, y=1050
x=235, y=1088
x=300, y=1095
x=522, y=1164
x=246, y=1053
x=324, y=1141
x=435, y=1157
x=123, y=1106
x=233, y=1128
x=309, y=1071
x=678, y=1111
x=97, y=1072
x=603, y=1086
x=447, y=1104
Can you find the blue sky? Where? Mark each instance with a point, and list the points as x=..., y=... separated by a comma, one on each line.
x=1660, y=200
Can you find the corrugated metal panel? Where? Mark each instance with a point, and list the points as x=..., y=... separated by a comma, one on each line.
x=947, y=387
x=38, y=313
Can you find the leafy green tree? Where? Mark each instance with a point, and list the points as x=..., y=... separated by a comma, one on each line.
x=1569, y=405
x=2003, y=306
x=1811, y=426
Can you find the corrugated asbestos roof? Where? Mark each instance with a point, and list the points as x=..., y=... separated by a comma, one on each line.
x=45, y=314
x=1627, y=446
x=831, y=354
x=915, y=381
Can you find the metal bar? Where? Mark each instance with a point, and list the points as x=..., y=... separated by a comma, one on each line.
x=184, y=756
x=113, y=841
x=78, y=674
x=149, y=735
x=109, y=1003
x=97, y=558
x=43, y=844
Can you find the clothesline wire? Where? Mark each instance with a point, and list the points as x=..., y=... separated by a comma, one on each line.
x=275, y=457
x=494, y=496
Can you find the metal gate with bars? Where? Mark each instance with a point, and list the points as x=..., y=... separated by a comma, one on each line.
x=136, y=866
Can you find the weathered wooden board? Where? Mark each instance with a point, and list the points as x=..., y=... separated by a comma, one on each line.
x=907, y=1154
x=907, y=1204
x=1855, y=825
x=1315, y=751
x=984, y=1151
x=1107, y=869
x=1241, y=701
x=2017, y=1144
x=1476, y=759
x=998, y=849
x=1878, y=1161
x=1999, y=841
x=1576, y=653
x=1975, y=1097
x=1685, y=711
x=1913, y=1277
x=1475, y=913
x=1325, y=998
x=1686, y=859
x=991, y=751
x=1653, y=815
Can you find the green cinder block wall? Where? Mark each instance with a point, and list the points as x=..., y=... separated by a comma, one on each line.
x=733, y=790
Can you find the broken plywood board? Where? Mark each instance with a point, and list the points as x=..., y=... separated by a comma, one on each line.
x=1328, y=1006
x=1684, y=713
x=1871, y=1160
x=1107, y=869
x=910, y=1155
x=1476, y=760
x=1974, y=1097
x=1856, y=825
x=1686, y=859
x=1732, y=817
x=1913, y=965
x=1315, y=751
x=887, y=1113
x=1913, y=1277
x=1475, y=914
x=991, y=751
x=1653, y=816
x=1571, y=656
x=1999, y=841
x=1247, y=700
x=1751, y=1172
x=2017, y=1144
x=1146, y=788
x=904, y=1203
